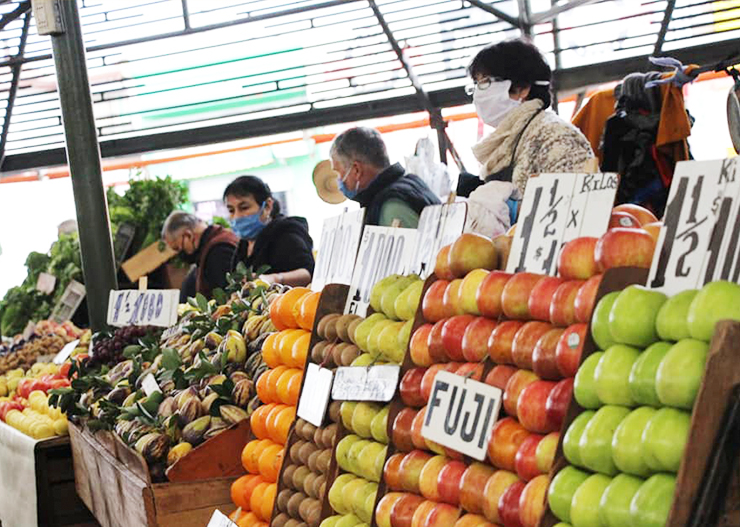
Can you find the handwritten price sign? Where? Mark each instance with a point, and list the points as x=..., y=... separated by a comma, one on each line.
x=698, y=242
x=337, y=250
x=143, y=308
x=558, y=208
x=361, y=383
x=439, y=225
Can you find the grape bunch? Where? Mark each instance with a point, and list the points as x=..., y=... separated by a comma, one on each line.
x=108, y=350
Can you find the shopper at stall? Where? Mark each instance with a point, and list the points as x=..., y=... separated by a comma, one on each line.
x=210, y=247
x=366, y=176
x=268, y=238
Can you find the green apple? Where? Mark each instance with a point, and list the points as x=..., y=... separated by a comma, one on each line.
x=672, y=322
x=349, y=520
x=680, y=373
x=614, y=508
x=600, y=321
x=469, y=290
x=353, y=455
x=371, y=461
x=627, y=448
x=336, y=493
x=584, y=386
x=644, y=371
x=402, y=342
x=562, y=524
x=716, y=301
x=408, y=301
x=331, y=521
x=379, y=289
x=345, y=411
x=584, y=508
x=652, y=503
x=612, y=375
x=373, y=339
x=388, y=341
x=362, y=332
x=664, y=439
x=563, y=486
x=596, y=441
x=365, y=359
x=632, y=317
x=379, y=425
x=391, y=294
x=572, y=438
x=369, y=505
x=362, y=418
x=343, y=449
x=354, y=495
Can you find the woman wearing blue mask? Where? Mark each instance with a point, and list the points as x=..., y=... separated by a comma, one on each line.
x=266, y=236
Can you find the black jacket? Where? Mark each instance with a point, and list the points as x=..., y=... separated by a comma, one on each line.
x=283, y=245
x=395, y=183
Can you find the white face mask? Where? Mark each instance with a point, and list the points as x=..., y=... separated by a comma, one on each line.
x=493, y=103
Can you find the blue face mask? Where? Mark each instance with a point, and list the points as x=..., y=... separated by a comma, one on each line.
x=348, y=192
x=249, y=226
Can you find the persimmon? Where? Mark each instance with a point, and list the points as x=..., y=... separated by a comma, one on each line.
x=307, y=306
x=270, y=461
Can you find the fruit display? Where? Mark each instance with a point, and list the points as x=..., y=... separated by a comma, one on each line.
x=48, y=338
x=636, y=394
x=278, y=387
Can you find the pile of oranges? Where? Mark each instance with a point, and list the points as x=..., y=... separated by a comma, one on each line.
x=278, y=388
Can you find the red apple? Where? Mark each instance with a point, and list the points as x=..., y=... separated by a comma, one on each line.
x=563, y=307
x=410, y=469
x=495, y=488
x=471, y=251
x=625, y=248
x=541, y=296
x=453, y=332
x=624, y=220
x=435, y=344
x=472, y=485
x=391, y=473
x=508, y=505
x=419, y=346
x=384, y=508
x=428, y=477
x=448, y=481
x=416, y=426
x=506, y=438
x=545, y=454
x=586, y=298
x=421, y=513
x=525, y=341
x=520, y=380
x=532, y=407
x=576, y=260
x=544, y=357
x=501, y=340
x=401, y=429
x=532, y=501
x=427, y=382
x=442, y=515
x=653, y=229
x=515, y=297
x=473, y=520
x=643, y=215
x=570, y=347
x=451, y=298
x=475, y=340
x=410, y=387
x=442, y=264
x=558, y=402
x=403, y=510
x=488, y=297
x=526, y=457
x=500, y=375
x=471, y=370
x=432, y=306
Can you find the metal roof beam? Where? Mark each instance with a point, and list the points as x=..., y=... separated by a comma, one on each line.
x=15, y=13
x=546, y=16
x=664, y=27
x=14, y=85
x=496, y=12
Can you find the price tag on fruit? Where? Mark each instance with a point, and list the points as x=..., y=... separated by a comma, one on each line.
x=461, y=414
x=699, y=241
x=383, y=251
x=335, y=259
x=558, y=208
x=219, y=519
x=315, y=394
x=362, y=383
x=155, y=307
x=65, y=352
x=439, y=225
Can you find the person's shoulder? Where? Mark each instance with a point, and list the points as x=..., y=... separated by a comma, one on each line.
x=549, y=125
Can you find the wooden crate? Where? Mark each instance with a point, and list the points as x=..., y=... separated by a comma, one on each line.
x=114, y=483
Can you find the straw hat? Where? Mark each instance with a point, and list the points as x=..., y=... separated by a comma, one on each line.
x=325, y=181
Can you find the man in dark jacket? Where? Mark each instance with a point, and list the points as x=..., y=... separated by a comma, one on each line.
x=366, y=176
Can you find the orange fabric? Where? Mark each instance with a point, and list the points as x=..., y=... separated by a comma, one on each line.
x=591, y=118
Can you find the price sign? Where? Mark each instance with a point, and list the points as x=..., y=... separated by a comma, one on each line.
x=70, y=301
x=149, y=384
x=461, y=414
x=383, y=251
x=315, y=394
x=439, y=225
x=335, y=259
x=45, y=283
x=361, y=383
x=156, y=307
x=558, y=208
x=698, y=242
x=219, y=519
x=65, y=352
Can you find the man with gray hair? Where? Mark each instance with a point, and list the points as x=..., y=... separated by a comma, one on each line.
x=211, y=247
x=366, y=176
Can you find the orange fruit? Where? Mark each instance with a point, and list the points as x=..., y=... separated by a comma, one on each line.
x=281, y=424
x=287, y=302
x=249, y=488
x=268, y=500
x=247, y=454
x=262, y=392
x=299, y=352
x=272, y=381
x=289, y=386
x=270, y=351
x=307, y=310
x=283, y=383
x=270, y=461
x=285, y=345
x=258, y=420
x=237, y=491
x=275, y=315
x=261, y=524
x=294, y=388
x=255, y=500
x=251, y=461
x=270, y=422
x=249, y=519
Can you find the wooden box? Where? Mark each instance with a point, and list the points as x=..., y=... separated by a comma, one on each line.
x=113, y=481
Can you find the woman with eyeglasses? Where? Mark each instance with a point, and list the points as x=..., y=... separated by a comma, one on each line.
x=511, y=92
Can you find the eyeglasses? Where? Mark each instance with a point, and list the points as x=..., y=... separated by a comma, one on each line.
x=481, y=85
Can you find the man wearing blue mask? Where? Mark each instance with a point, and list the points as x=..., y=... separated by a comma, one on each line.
x=210, y=247
x=366, y=176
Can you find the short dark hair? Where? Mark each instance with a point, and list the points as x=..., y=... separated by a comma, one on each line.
x=517, y=60
x=362, y=144
x=244, y=186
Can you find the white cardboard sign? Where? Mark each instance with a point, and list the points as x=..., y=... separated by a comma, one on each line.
x=439, y=225
x=219, y=519
x=362, y=383
x=315, y=394
x=335, y=259
x=461, y=414
x=65, y=352
x=154, y=307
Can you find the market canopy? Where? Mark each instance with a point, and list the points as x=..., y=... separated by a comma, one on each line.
x=178, y=73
